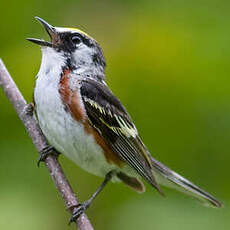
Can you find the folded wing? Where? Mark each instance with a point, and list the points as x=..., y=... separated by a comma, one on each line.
x=111, y=120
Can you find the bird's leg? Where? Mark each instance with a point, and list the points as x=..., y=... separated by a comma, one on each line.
x=81, y=208
x=48, y=150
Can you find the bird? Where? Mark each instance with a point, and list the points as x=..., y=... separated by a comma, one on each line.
x=82, y=119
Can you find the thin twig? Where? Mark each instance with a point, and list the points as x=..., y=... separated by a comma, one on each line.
x=51, y=162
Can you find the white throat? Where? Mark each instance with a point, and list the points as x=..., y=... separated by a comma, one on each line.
x=52, y=62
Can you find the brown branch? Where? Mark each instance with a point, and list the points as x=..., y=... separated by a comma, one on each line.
x=51, y=162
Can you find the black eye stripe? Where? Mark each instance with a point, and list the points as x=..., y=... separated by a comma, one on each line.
x=67, y=44
x=75, y=34
x=76, y=39
x=83, y=38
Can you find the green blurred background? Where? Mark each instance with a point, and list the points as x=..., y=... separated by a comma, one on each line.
x=168, y=62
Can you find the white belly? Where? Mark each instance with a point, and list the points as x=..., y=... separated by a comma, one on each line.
x=66, y=134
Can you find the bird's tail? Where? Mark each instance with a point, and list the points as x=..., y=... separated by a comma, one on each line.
x=169, y=178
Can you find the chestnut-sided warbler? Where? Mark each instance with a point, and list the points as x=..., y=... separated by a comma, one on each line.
x=81, y=118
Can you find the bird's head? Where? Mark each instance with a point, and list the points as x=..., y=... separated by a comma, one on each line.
x=77, y=47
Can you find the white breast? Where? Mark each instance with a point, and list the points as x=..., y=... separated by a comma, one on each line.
x=63, y=132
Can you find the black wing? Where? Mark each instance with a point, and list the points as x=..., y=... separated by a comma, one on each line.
x=109, y=117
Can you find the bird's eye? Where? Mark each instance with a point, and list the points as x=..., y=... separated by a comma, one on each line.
x=76, y=40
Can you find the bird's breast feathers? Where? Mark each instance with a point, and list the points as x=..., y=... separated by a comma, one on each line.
x=82, y=118
x=63, y=121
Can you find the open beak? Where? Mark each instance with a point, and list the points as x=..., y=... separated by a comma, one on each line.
x=50, y=30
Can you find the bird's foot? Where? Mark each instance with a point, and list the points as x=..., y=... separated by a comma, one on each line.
x=29, y=109
x=79, y=209
x=49, y=150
